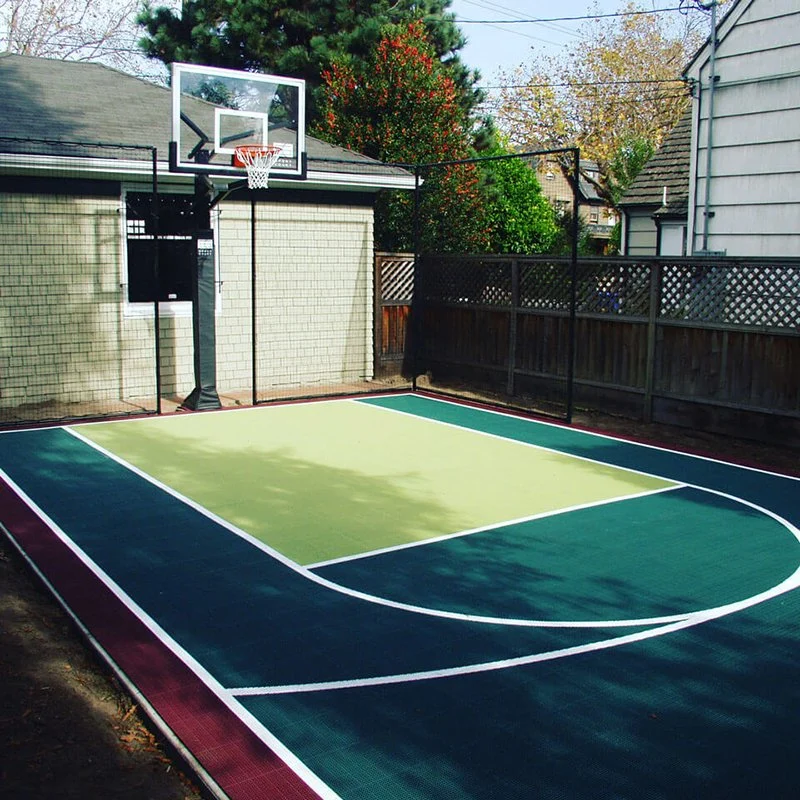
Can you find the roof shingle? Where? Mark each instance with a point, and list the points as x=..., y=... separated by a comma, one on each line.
x=667, y=169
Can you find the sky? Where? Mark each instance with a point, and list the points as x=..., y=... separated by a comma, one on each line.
x=495, y=47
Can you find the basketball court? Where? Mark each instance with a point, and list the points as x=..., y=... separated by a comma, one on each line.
x=399, y=596
x=403, y=597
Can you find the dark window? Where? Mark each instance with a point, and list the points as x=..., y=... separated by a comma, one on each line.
x=175, y=247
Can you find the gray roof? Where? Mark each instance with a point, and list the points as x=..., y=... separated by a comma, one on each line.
x=669, y=167
x=85, y=102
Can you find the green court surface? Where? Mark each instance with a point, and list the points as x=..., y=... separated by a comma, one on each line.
x=411, y=599
x=325, y=480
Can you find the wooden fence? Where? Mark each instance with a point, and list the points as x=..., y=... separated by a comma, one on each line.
x=713, y=345
x=394, y=287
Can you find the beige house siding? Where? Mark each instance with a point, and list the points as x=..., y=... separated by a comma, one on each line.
x=63, y=332
x=68, y=335
x=314, y=290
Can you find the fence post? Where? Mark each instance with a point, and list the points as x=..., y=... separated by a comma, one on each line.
x=652, y=329
x=377, y=316
x=512, y=328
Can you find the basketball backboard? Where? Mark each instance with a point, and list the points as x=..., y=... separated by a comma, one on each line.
x=215, y=110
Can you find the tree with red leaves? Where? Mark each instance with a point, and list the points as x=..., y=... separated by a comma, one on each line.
x=400, y=104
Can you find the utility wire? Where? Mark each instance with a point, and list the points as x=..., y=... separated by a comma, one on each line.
x=565, y=19
x=579, y=84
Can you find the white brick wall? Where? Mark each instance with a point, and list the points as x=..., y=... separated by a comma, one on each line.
x=314, y=295
x=65, y=336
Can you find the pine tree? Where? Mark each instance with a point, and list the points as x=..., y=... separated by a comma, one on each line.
x=298, y=39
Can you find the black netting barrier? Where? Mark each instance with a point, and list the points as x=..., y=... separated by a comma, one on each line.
x=74, y=343
x=492, y=249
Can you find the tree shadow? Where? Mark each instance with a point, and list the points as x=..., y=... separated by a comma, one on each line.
x=709, y=712
x=706, y=712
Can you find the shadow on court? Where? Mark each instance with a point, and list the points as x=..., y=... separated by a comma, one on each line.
x=304, y=509
x=669, y=553
x=706, y=713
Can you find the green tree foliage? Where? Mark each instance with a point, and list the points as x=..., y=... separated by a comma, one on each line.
x=519, y=217
x=400, y=104
x=633, y=153
x=298, y=39
x=626, y=163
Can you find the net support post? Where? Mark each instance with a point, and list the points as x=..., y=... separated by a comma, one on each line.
x=416, y=290
x=573, y=287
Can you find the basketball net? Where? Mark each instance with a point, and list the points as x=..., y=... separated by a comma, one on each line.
x=258, y=160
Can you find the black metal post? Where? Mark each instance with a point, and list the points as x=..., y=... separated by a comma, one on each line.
x=156, y=280
x=254, y=365
x=573, y=285
x=416, y=292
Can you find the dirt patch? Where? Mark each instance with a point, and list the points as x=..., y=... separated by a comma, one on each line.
x=67, y=728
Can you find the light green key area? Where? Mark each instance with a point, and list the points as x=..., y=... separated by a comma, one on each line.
x=320, y=481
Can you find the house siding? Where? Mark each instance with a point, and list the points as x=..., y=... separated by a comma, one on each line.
x=755, y=163
x=67, y=335
x=641, y=232
x=62, y=325
x=314, y=295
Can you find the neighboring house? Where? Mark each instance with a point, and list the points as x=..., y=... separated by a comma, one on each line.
x=655, y=205
x=72, y=225
x=748, y=203
x=598, y=216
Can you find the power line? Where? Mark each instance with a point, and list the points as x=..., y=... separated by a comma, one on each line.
x=577, y=84
x=564, y=19
x=617, y=101
x=514, y=14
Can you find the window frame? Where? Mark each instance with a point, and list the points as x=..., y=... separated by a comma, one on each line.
x=166, y=308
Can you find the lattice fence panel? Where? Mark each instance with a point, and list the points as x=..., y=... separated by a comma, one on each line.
x=397, y=278
x=544, y=285
x=467, y=281
x=758, y=295
x=614, y=288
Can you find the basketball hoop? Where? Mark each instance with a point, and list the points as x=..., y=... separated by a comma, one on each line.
x=258, y=160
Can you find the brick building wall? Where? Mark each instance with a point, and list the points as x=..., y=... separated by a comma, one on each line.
x=314, y=295
x=67, y=334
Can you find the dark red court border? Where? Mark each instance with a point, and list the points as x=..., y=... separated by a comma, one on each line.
x=238, y=762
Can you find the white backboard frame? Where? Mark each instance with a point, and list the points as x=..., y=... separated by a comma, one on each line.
x=210, y=118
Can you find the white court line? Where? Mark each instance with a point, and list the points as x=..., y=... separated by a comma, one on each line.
x=286, y=755
x=511, y=440
x=787, y=585
x=494, y=526
x=408, y=607
x=674, y=623
x=664, y=624
x=583, y=432
x=365, y=596
x=228, y=696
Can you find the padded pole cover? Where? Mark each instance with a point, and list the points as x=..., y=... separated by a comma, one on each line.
x=204, y=395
